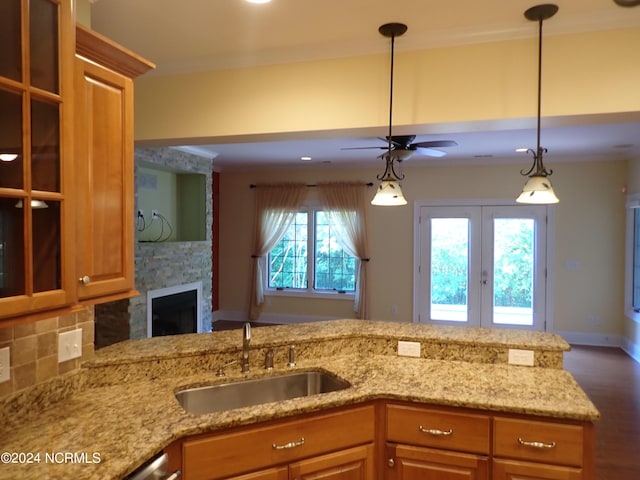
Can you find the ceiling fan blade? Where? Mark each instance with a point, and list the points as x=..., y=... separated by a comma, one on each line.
x=363, y=148
x=436, y=144
x=430, y=152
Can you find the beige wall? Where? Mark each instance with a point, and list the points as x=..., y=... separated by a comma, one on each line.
x=485, y=82
x=83, y=12
x=589, y=226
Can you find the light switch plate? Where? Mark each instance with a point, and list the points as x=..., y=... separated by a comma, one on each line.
x=521, y=357
x=408, y=349
x=5, y=365
x=69, y=345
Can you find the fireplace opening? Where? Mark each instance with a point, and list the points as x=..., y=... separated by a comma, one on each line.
x=174, y=310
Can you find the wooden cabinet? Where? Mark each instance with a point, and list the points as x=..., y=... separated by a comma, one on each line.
x=336, y=445
x=405, y=462
x=393, y=441
x=36, y=156
x=105, y=165
x=444, y=443
x=532, y=449
x=66, y=175
x=355, y=463
x=436, y=443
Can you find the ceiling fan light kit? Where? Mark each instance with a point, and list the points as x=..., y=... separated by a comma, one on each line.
x=538, y=188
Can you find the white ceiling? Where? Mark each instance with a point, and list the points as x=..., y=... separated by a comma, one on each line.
x=199, y=35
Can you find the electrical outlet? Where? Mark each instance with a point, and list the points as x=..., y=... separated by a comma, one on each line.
x=154, y=213
x=69, y=345
x=140, y=213
x=521, y=357
x=408, y=349
x=5, y=365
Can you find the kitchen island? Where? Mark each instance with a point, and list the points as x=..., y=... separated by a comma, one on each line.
x=120, y=408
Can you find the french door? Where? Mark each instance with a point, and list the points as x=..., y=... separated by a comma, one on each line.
x=482, y=266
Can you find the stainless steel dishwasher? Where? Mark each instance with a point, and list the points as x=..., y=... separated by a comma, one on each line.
x=155, y=469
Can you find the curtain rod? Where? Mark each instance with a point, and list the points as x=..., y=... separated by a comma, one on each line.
x=253, y=185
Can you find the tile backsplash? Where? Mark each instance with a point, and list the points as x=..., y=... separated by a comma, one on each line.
x=34, y=349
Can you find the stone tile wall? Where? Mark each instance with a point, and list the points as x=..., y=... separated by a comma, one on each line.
x=162, y=264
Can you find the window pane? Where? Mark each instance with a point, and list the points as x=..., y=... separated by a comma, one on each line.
x=44, y=44
x=287, y=261
x=10, y=62
x=11, y=248
x=45, y=145
x=46, y=245
x=11, y=158
x=449, y=268
x=513, y=267
x=636, y=258
x=335, y=269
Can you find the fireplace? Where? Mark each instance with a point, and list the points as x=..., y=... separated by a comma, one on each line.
x=174, y=310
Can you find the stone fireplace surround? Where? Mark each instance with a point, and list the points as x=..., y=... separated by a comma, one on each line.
x=162, y=264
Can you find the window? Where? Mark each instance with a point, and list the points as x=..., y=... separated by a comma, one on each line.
x=632, y=284
x=309, y=249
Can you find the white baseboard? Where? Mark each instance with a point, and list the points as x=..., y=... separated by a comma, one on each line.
x=632, y=349
x=268, y=317
x=592, y=339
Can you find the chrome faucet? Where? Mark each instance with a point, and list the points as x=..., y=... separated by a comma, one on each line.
x=246, y=340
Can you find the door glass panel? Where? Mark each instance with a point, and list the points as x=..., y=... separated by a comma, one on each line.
x=46, y=245
x=11, y=248
x=11, y=158
x=513, y=270
x=10, y=60
x=44, y=44
x=45, y=147
x=449, y=269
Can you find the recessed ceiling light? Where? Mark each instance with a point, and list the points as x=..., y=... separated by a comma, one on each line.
x=258, y=1
x=305, y=159
x=521, y=150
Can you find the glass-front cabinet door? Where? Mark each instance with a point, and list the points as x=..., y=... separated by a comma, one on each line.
x=35, y=104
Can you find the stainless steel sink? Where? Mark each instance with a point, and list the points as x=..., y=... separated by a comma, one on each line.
x=244, y=393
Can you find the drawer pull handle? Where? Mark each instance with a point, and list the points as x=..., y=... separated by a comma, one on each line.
x=286, y=446
x=536, y=444
x=435, y=431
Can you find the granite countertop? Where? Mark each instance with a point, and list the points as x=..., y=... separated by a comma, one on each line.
x=115, y=420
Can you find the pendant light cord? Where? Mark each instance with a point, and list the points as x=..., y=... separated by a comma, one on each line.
x=393, y=39
x=538, y=153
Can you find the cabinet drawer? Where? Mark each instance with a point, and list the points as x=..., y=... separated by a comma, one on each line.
x=243, y=451
x=513, y=469
x=539, y=441
x=440, y=429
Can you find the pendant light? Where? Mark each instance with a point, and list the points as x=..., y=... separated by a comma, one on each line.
x=389, y=192
x=538, y=188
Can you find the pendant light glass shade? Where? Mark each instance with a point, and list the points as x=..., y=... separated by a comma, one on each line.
x=389, y=194
x=538, y=190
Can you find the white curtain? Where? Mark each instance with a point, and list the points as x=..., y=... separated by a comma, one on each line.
x=276, y=207
x=346, y=205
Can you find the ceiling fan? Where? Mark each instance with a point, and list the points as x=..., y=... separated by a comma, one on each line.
x=403, y=146
x=400, y=147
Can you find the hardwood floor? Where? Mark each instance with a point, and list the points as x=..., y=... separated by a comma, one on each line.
x=612, y=380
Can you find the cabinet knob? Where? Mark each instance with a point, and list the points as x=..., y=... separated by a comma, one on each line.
x=391, y=463
x=85, y=280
